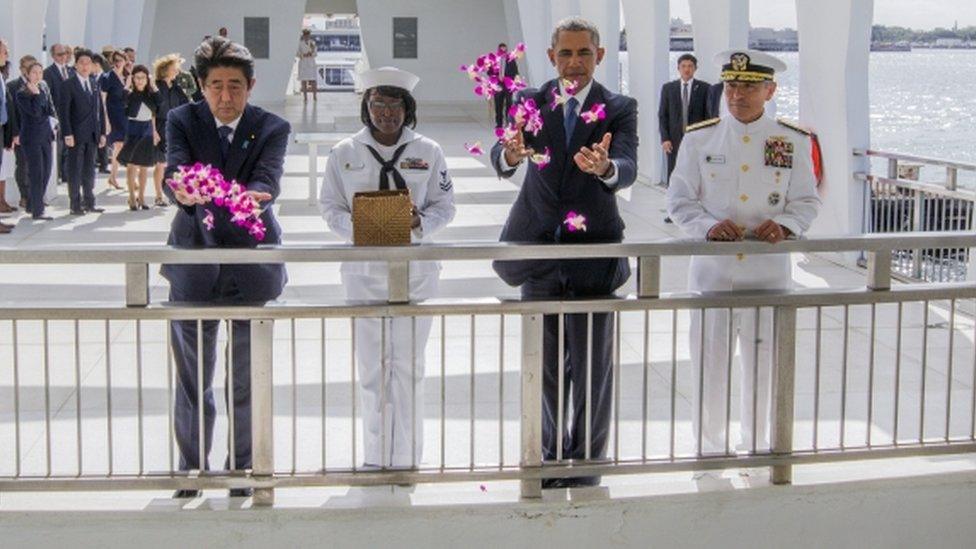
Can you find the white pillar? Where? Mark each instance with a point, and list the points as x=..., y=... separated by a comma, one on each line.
x=22, y=25
x=718, y=25
x=127, y=28
x=536, y=31
x=648, y=45
x=835, y=40
x=101, y=20
x=605, y=14
x=67, y=22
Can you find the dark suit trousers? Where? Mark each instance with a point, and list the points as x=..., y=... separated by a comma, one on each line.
x=81, y=174
x=64, y=166
x=21, y=171
x=503, y=100
x=39, y=170
x=187, y=407
x=673, y=157
x=574, y=365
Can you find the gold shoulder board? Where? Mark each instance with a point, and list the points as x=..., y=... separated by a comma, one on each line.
x=793, y=126
x=702, y=124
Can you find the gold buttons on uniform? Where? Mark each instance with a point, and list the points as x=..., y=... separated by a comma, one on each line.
x=745, y=168
x=745, y=139
x=743, y=197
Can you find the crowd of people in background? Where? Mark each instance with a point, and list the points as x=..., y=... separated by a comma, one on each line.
x=85, y=113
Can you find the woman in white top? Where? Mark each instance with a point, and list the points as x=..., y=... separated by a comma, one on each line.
x=388, y=154
x=307, y=50
x=139, y=150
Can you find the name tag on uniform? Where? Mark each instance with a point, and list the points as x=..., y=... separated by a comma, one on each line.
x=350, y=167
x=414, y=164
x=715, y=159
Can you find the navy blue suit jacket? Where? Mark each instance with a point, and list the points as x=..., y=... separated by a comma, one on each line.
x=670, y=123
x=256, y=160
x=34, y=114
x=53, y=78
x=81, y=113
x=547, y=195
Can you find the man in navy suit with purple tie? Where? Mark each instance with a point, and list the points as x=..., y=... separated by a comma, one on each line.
x=246, y=144
x=590, y=160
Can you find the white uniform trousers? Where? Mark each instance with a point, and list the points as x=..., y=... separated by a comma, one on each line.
x=755, y=354
x=390, y=356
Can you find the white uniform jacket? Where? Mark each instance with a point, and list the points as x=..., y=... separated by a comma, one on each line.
x=747, y=173
x=351, y=169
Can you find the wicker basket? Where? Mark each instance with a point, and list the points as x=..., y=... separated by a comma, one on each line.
x=381, y=218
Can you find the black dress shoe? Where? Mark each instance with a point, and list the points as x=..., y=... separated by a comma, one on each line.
x=96, y=210
x=582, y=482
x=553, y=483
x=668, y=220
x=42, y=218
x=186, y=494
x=77, y=212
x=240, y=492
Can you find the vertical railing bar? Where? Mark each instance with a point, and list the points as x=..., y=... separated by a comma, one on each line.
x=108, y=398
x=816, y=378
x=323, y=395
x=701, y=384
x=952, y=333
x=674, y=378
x=925, y=344
x=13, y=327
x=755, y=382
x=47, y=400
x=413, y=392
x=871, y=351
x=972, y=403
x=645, y=398
x=443, y=390
x=560, y=384
x=352, y=388
x=294, y=397
x=231, y=408
x=588, y=427
x=471, y=392
x=384, y=372
x=139, y=403
x=894, y=430
x=843, y=378
x=78, y=395
x=616, y=389
x=169, y=393
x=202, y=451
x=501, y=391
x=728, y=385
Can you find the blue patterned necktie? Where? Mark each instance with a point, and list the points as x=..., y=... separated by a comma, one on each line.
x=569, y=118
x=224, y=133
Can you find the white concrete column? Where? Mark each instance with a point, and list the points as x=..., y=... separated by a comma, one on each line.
x=718, y=26
x=127, y=27
x=835, y=40
x=605, y=14
x=101, y=20
x=648, y=44
x=67, y=22
x=536, y=31
x=22, y=25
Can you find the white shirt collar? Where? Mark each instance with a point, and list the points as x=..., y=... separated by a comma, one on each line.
x=365, y=136
x=689, y=81
x=232, y=124
x=580, y=95
x=84, y=81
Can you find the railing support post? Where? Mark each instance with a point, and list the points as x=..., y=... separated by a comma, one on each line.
x=398, y=280
x=136, y=284
x=649, y=276
x=879, y=270
x=262, y=408
x=531, y=403
x=917, y=227
x=952, y=179
x=783, y=390
x=313, y=172
x=892, y=168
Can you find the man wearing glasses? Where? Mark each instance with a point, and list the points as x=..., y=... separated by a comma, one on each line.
x=247, y=144
x=55, y=74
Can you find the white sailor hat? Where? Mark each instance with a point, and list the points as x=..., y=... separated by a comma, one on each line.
x=389, y=76
x=748, y=65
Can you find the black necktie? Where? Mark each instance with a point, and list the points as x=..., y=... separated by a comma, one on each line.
x=569, y=118
x=388, y=167
x=224, y=133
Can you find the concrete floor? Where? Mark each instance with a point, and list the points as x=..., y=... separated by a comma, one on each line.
x=483, y=202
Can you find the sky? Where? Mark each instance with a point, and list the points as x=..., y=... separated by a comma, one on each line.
x=915, y=14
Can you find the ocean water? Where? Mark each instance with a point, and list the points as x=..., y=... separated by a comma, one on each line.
x=923, y=102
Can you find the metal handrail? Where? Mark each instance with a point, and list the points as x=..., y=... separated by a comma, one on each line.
x=474, y=251
x=921, y=186
x=915, y=158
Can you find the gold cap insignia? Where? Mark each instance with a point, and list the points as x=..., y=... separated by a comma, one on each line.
x=740, y=61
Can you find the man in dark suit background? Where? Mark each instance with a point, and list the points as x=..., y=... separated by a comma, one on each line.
x=713, y=105
x=246, y=144
x=20, y=171
x=55, y=74
x=84, y=128
x=503, y=99
x=589, y=164
x=682, y=104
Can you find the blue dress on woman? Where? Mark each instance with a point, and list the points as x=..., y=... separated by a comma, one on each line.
x=114, y=89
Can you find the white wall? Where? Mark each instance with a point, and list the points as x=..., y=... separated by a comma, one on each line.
x=67, y=22
x=718, y=25
x=127, y=26
x=536, y=30
x=450, y=34
x=180, y=25
x=101, y=20
x=22, y=25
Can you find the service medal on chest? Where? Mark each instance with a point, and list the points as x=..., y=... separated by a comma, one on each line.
x=778, y=152
x=774, y=198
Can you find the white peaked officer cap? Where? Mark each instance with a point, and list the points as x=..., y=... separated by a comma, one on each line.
x=389, y=76
x=743, y=65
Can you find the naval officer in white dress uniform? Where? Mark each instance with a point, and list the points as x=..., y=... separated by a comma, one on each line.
x=388, y=154
x=744, y=175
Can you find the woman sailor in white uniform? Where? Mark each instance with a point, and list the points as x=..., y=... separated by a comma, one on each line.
x=388, y=154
